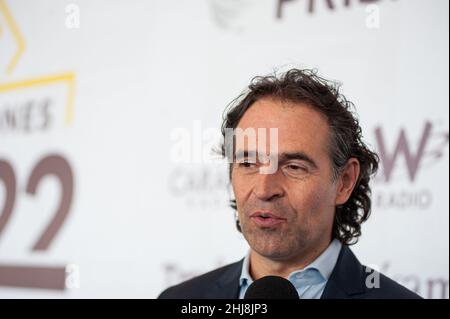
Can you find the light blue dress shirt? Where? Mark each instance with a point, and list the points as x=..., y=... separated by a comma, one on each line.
x=310, y=281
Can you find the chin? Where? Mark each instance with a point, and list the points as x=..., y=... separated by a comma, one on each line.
x=272, y=251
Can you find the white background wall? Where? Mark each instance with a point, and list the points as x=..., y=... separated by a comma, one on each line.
x=139, y=222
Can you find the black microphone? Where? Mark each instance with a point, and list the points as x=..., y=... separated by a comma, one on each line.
x=271, y=287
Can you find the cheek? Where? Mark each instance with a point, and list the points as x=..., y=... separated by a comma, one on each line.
x=313, y=201
x=241, y=186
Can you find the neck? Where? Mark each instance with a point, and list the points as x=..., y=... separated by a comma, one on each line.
x=261, y=266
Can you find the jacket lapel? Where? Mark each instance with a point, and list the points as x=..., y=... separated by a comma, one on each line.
x=347, y=279
x=227, y=285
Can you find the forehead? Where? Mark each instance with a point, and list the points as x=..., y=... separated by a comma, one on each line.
x=300, y=127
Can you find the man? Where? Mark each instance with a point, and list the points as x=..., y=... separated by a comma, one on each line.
x=300, y=207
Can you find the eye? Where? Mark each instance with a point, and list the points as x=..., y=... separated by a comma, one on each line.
x=246, y=164
x=294, y=167
x=295, y=170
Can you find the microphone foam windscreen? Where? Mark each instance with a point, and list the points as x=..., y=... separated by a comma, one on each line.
x=271, y=287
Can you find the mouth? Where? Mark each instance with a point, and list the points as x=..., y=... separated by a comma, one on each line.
x=266, y=219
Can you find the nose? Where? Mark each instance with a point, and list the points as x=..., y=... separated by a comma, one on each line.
x=268, y=187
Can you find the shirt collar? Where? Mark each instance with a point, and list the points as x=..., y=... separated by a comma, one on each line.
x=324, y=264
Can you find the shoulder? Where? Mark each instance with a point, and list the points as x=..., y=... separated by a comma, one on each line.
x=351, y=279
x=202, y=286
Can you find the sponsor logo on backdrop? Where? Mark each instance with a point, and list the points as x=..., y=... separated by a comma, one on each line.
x=403, y=164
x=227, y=14
x=313, y=5
x=429, y=287
x=230, y=14
x=200, y=188
x=33, y=107
x=198, y=177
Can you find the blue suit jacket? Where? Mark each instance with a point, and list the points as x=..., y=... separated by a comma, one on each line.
x=348, y=280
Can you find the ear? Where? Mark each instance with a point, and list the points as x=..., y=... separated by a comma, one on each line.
x=347, y=181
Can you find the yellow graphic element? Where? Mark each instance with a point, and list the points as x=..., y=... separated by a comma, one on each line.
x=68, y=78
x=16, y=34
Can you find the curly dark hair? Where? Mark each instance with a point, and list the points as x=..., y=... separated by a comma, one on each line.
x=305, y=86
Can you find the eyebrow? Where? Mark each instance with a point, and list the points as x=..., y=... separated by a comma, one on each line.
x=283, y=157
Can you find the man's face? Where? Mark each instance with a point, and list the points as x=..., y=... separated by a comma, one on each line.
x=291, y=211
